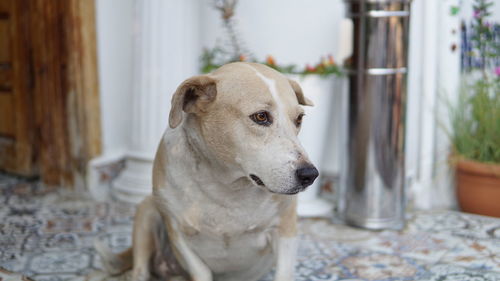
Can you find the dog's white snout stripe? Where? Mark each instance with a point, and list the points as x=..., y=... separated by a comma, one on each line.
x=271, y=85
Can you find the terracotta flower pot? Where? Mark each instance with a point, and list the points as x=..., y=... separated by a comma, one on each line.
x=478, y=187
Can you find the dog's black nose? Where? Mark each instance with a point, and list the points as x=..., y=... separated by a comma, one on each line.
x=306, y=175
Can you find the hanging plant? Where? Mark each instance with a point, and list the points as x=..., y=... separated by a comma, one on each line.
x=232, y=50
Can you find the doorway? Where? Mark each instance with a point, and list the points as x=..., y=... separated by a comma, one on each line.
x=49, y=100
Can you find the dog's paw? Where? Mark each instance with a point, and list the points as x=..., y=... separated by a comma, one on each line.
x=207, y=277
x=112, y=262
x=140, y=274
x=179, y=278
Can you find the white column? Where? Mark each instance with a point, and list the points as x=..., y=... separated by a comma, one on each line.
x=428, y=18
x=433, y=82
x=443, y=195
x=165, y=53
x=416, y=64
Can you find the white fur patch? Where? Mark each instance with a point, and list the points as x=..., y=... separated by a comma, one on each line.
x=271, y=85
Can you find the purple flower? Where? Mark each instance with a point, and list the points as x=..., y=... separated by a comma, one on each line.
x=497, y=71
x=477, y=14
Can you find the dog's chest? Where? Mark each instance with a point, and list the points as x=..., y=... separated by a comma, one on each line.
x=227, y=253
x=219, y=220
x=231, y=247
x=229, y=238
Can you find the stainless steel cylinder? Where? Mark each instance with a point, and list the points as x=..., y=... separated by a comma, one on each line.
x=373, y=195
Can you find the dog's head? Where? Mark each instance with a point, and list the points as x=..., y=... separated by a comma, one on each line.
x=249, y=116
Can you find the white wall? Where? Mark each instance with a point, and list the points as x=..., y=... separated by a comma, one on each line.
x=293, y=31
x=115, y=28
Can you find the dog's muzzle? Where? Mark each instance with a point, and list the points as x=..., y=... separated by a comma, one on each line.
x=305, y=176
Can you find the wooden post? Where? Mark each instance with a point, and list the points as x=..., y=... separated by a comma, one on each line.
x=65, y=88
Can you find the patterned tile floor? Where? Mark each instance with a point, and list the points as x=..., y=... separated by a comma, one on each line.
x=49, y=236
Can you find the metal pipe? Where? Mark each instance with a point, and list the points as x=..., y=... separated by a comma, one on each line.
x=373, y=183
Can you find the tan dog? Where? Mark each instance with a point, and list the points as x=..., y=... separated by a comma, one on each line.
x=225, y=174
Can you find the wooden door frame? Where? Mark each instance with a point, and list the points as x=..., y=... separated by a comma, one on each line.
x=17, y=150
x=65, y=91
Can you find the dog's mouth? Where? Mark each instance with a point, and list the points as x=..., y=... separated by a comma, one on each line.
x=257, y=180
x=291, y=192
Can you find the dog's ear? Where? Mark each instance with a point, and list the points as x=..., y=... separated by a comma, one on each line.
x=192, y=96
x=300, y=95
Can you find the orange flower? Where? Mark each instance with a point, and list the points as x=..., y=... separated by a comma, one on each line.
x=270, y=60
x=243, y=58
x=331, y=60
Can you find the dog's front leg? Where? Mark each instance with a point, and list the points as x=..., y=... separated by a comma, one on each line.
x=196, y=268
x=145, y=220
x=287, y=244
x=287, y=255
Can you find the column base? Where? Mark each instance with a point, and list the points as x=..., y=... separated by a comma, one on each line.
x=100, y=174
x=135, y=181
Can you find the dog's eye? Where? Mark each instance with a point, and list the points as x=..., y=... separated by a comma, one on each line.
x=298, y=121
x=262, y=118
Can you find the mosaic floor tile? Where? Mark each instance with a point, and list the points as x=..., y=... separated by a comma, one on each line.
x=59, y=262
x=450, y=272
x=457, y=224
x=49, y=235
x=475, y=254
x=422, y=246
x=58, y=277
x=324, y=229
x=381, y=266
x=14, y=262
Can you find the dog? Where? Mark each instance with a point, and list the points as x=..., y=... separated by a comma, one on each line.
x=225, y=179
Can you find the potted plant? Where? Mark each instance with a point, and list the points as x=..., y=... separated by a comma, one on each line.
x=475, y=119
x=476, y=147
